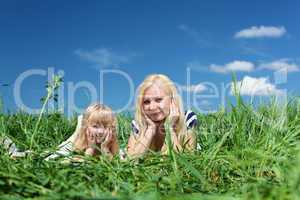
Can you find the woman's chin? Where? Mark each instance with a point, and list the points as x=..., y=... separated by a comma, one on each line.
x=158, y=119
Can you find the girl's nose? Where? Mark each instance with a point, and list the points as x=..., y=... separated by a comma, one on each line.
x=100, y=130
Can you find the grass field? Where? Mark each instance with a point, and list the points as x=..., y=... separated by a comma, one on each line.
x=246, y=153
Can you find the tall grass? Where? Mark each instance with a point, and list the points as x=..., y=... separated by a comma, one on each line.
x=247, y=153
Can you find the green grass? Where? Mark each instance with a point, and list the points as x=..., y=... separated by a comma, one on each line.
x=246, y=153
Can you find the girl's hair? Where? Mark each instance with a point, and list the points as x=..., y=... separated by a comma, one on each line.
x=169, y=88
x=95, y=113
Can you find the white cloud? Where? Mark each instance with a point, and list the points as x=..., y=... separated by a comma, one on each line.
x=103, y=57
x=262, y=31
x=251, y=86
x=282, y=64
x=200, y=39
x=233, y=66
x=194, y=88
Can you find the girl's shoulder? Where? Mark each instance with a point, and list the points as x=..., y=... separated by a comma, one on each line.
x=190, y=119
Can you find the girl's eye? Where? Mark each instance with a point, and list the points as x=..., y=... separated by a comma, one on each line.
x=95, y=125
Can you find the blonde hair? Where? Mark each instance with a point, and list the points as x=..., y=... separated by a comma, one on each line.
x=97, y=113
x=169, y=88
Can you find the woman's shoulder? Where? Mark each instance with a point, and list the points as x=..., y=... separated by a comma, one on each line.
x=134, y=127
x=190, y=119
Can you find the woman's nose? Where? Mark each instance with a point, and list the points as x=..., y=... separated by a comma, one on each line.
x=152, y=106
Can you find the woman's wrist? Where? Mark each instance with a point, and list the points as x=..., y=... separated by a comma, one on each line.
x=150, y=132
x=151, y=127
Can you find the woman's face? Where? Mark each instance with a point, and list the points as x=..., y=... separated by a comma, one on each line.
x=156, y=103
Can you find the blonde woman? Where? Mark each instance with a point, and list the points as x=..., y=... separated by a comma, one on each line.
x=95, y=134
x=158, y=102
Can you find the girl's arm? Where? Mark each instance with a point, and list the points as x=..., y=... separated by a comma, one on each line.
x=114, y=146
x=67, y=147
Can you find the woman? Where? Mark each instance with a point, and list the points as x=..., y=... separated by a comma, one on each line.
x=157, y=103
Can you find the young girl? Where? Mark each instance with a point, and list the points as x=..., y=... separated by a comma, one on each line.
x=157, y=103
x=95, y=134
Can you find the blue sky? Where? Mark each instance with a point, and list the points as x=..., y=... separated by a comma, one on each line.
x=212, y=38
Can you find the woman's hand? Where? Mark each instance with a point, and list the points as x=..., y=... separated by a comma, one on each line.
x=173, y=117
x=150, y=123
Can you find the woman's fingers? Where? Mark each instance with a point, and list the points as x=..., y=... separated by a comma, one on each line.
x=171, y=109
x=150, y=123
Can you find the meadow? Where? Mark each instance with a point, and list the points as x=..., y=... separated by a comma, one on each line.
x=247, y=153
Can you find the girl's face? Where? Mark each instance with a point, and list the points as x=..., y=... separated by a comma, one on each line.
x=156, y=103
x=95, y=128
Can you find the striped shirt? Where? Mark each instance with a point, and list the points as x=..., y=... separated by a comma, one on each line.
x=11, y=147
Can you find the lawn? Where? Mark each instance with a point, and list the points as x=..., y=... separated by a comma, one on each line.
x=247, y=153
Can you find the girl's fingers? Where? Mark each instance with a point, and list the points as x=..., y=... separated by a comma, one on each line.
x=108, y=138
x=89, y=137
x=98, y=138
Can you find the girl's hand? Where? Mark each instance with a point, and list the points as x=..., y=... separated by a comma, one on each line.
x=95, y=136
x=105, y=147
x=90, y=151
x=91, y=138
x=100, y=136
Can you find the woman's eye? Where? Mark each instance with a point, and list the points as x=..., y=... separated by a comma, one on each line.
x=146, y=102
x=158, y=100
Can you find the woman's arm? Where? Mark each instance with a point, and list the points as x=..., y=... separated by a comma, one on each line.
x=138, y=145
x=190, y=140
x=186, y=142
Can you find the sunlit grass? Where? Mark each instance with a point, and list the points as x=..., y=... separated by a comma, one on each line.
x=246, y=153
